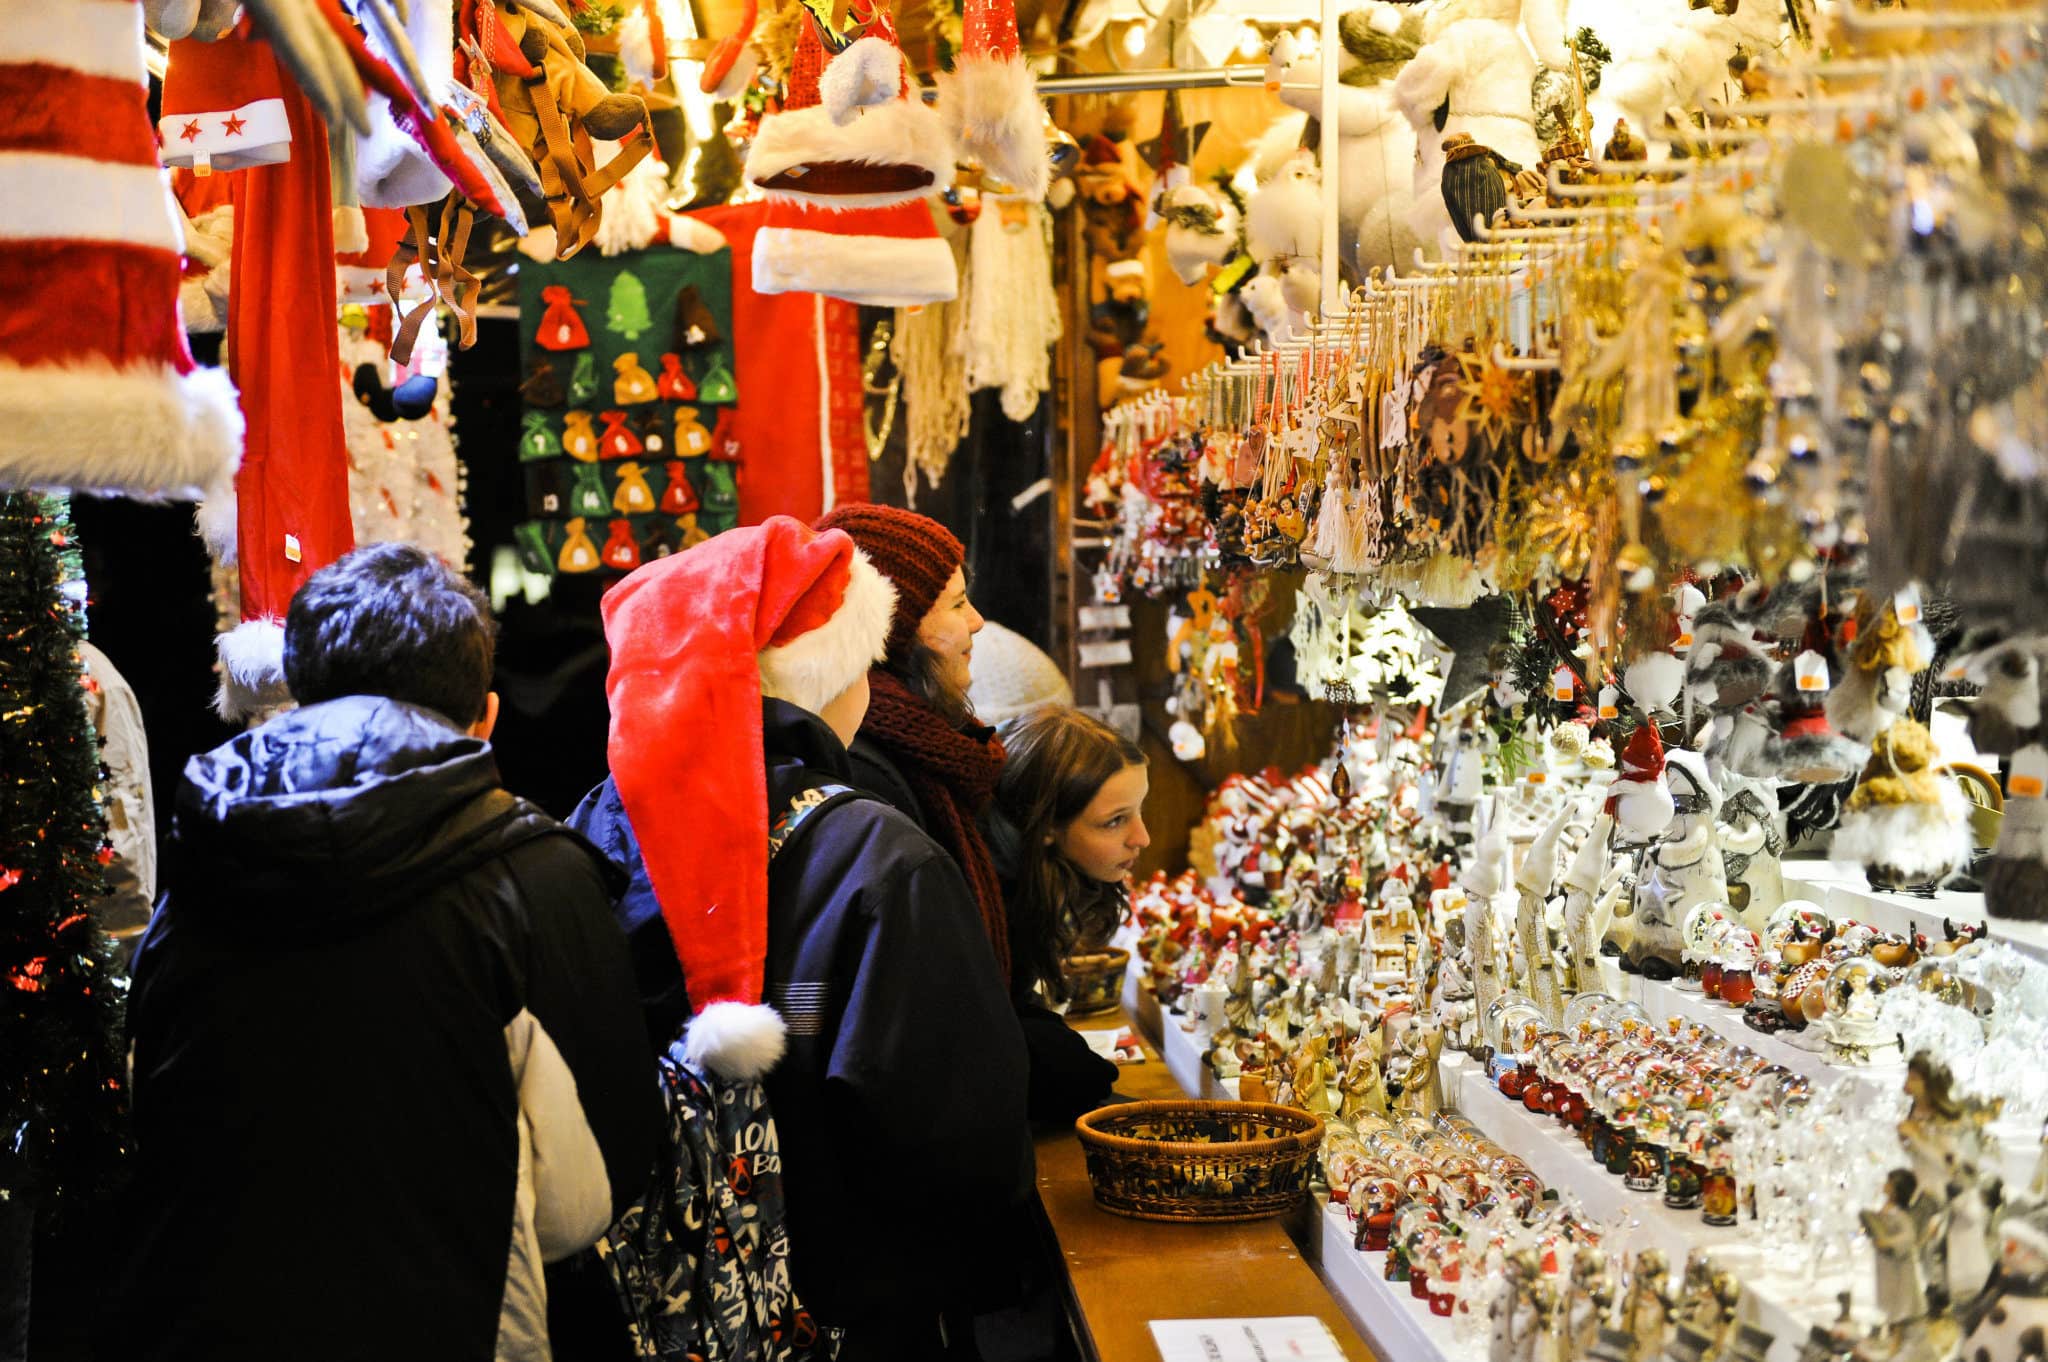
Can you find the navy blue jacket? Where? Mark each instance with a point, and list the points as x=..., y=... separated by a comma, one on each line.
x=900, y=1104
x=385, y=1053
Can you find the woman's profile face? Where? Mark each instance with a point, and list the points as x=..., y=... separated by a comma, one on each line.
x=948, y=630
x=1104, y=842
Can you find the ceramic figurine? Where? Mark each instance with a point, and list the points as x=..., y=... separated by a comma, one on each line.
x=1414, y=1053
x=1363, y=1086
x=1682, y=872
x=1312, y=1072
x=1751, y=840
x=1592, y=1300
x=1591, y=873
x=1533, y=880
x=1898, y=1235
x=1647, y=1314
x=2010, y=1322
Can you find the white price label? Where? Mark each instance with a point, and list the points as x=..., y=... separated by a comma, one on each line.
x=1610, y=703
x=1810, y=671
x=1907, y=604
x=2029, y=775
x=1561, y=685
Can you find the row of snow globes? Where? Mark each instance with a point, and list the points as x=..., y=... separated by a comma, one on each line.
x=1660, y=1111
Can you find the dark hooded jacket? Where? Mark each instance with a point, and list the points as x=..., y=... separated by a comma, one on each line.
x=1067, y=1077
x=900, y=1102
x=385, y=1053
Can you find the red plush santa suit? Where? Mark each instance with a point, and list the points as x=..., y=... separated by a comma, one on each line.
x=802, y=446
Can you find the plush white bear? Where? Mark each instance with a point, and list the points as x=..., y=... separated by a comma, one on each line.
x=1473, y=59
x=1376, y=146
x=1667, y=54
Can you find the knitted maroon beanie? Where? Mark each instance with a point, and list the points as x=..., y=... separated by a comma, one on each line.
x=914, y=551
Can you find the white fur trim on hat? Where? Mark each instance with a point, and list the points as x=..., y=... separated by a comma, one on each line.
x=864, y=75
x=737, y=1041
x=896, y=132
x=251, y=669
x=814, y=667
x=1644, y=807
x=874, y=270
x=992, y=105
x=142, y=431
x=1654, y=680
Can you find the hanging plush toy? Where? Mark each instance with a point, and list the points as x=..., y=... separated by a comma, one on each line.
x=1473, y=74
x=617, y=440
x=634, y=384
x=1375, y=144
x=561, y=326
x=691, y=437
x=1639, y=799
x=673, y=383
x=542, y=386
x=586, y=493
x=1906, y=823
x=679, y=498
x=579, y=441
x=536, y=439
x=847, y=164
x=634, y=496
x=991, y=99
x=621, y=550
x=1668, y=54
x=578, y=553
x=1890, y=649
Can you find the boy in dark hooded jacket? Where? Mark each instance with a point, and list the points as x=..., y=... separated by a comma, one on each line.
x=386, y=1058
x=841, y=971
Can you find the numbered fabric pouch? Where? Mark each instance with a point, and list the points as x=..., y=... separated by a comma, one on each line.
x=717, y=386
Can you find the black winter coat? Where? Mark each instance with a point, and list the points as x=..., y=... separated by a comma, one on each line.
x=385, y=1053
x=1067, y=1078
x=900, y=1103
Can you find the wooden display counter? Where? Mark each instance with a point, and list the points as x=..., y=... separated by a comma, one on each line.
x=1123, y=1273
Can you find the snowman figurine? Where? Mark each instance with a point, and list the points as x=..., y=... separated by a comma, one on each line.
x=1681, y=873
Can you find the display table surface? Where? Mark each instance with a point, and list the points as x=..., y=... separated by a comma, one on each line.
x=1122, y=1273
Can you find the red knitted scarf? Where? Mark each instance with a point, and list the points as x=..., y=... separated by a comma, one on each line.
x=953, y=774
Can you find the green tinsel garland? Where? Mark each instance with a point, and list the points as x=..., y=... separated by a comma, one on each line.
x=63, y=1084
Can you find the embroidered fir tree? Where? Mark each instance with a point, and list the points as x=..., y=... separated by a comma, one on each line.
x=626, y=313
x=62, y=1077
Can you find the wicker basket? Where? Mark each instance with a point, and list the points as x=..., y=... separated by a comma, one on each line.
x=1095, y=982
x=1199, y=1161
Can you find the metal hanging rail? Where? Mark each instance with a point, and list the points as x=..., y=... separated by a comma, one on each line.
x=1133, y=82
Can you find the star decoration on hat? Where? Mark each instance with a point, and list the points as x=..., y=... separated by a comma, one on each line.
x=190, y=132
x=233, y=124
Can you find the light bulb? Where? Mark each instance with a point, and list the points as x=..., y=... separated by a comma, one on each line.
x=1250, y=42
x=1306, y=36
x=1134, y=40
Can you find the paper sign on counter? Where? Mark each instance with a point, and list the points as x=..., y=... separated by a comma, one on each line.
x=1292, y=1338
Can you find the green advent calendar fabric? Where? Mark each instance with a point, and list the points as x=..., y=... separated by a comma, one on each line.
x=627, y=434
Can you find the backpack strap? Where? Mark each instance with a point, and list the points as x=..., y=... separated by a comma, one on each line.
x=802, y=806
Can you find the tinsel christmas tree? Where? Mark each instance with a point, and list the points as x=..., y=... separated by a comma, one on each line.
x=63, y=1088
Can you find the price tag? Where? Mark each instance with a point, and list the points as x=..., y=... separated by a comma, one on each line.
x=1683, y=641
x=1609, y=703
x=292, y=552
x=1907, y=604
x=1561, y=683
x=2029, y=775
x=1810, y=672
x=1539, y=777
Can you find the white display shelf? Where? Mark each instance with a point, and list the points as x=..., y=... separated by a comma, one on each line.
x=1397, y=1325
x=1773, y=1300
x=1841, y=890
x=1665, y=1000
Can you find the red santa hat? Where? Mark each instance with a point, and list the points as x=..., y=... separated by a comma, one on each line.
x=1640, y=797
x=852, y=145
x=97, y=389
x=697, y=639
x=991, y=99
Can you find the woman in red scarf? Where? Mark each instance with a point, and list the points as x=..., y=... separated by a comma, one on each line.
x=920, y=747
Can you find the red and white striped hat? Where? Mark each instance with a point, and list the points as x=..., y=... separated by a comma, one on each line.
x=98, y=391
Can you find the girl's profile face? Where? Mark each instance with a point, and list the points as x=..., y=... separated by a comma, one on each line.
x=1104, y=842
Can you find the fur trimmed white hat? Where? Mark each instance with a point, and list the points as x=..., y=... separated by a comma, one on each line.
x=698, y=639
